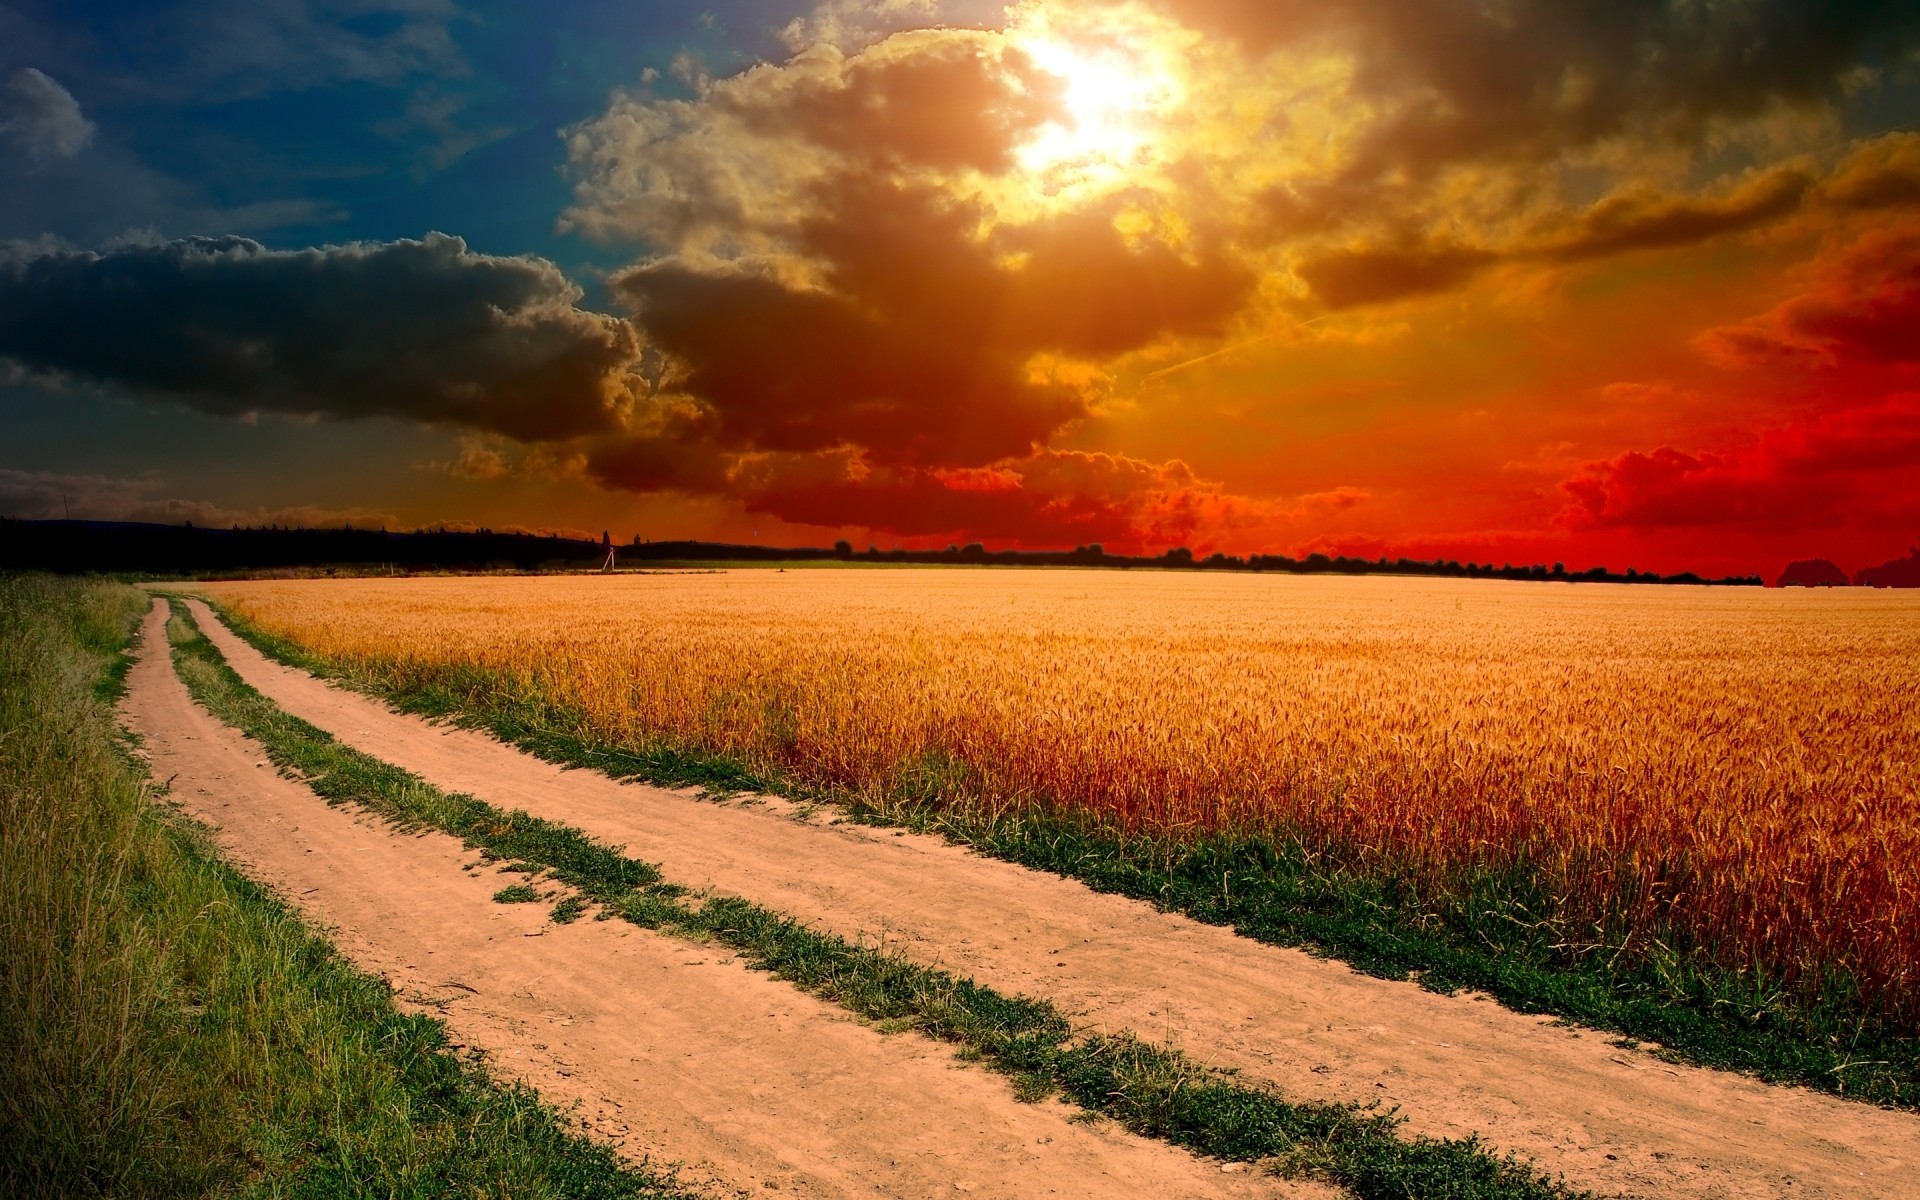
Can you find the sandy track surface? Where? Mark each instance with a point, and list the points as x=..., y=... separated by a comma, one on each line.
x=1614, y=1120
x=676, y=1051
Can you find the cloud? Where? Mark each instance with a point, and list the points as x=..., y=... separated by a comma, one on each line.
x=423, y=330
x=943, y=99
x=1641, y=218
x=1379, y=150
x=42, y=117
x=886, y=279
x=51, y=495
x=1045, y=498
x=737, y=168
x=1366, y=275
x=845, y=24
x=439, y=116
x=231, y=49
x=1862, y=305
x=477, y=461
x=1334, y=500
x=1049, y=499
x=1478, y=113
x=1857, y=466
x=88, y=188
x=823, y=280
x=918, y=340
x=1460, y=80
x=1880, y=174
x=665, y=460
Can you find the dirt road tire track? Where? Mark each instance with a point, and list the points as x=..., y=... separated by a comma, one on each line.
x=676, y=1051
x=1617, y=1121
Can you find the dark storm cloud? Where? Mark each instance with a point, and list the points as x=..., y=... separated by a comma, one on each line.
x=426, y=330
x=918, y=347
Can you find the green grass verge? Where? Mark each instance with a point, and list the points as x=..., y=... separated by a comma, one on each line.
x=171, y=1030
x=1153, y=1090
x=1497, y=936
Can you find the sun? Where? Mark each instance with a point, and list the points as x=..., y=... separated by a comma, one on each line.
x=1112, y=104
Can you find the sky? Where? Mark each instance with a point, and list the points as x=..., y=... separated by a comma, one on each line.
x=1631, y=283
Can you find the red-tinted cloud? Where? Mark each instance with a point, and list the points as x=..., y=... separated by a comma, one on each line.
x=1862, y=306
x=1857, y=466
x=1053, y=498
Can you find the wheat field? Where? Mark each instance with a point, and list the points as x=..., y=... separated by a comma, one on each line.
x=1733, y=766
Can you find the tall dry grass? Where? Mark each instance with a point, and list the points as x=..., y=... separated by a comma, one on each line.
x=1731, y=767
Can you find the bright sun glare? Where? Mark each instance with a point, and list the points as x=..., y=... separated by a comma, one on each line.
x=1110, y=102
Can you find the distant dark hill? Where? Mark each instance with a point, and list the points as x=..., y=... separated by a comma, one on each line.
x=1900, y=573
x=1812, y=572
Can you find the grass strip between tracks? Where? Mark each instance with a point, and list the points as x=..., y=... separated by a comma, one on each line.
x=1499, y=937
x=1152, y=1090
x=172, y=1030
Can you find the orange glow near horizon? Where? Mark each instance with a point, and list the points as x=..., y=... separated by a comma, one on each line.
x=1190, y=273
x=1493, y=283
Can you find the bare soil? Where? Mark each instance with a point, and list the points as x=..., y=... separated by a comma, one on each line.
x=675, y=1052
x=1615, y=1120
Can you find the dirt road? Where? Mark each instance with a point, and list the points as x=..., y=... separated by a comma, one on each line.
x=1614, y=1120
x=675, y=1051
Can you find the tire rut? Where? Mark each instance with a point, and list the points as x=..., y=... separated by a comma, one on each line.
x=674, y=1051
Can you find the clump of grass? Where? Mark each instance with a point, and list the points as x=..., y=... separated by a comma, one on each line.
x=1154, y=1090
x=172, y=1030
x=569, y=910
x=517, y=893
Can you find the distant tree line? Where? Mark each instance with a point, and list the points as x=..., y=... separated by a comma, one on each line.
x=137, y=548
x=113, y=546
x=1179, y=558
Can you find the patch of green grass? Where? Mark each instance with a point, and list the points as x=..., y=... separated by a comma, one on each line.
x=1496, y=935
x=518, y=893
x=172, y=1030
x=1153, y=1090
x=568, y=910
x=1492, y=939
